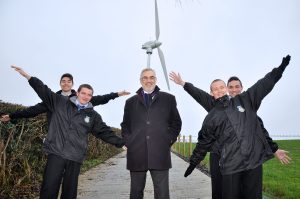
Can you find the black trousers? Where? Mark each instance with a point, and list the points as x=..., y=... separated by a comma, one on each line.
x=160, y=179
x=243, y=185
x=57, y=171
x=216, y=176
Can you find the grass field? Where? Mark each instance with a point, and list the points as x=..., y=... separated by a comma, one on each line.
x=283, y=181
x=279, y=181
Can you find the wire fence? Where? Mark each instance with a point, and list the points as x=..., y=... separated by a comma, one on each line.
x=186, y=143
x=277, y=136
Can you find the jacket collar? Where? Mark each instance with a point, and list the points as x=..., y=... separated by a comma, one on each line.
x=73, y=100
x=73, y=92
x=223, y=101
x=141, y=91
x=140, y=94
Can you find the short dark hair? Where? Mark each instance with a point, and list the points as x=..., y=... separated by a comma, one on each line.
x=85, y=86
x=234, y=78
x=68, y=75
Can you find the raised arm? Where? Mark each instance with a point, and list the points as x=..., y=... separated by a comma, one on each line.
x=29, y=112
x=105, y=133
x=48, y=97
x=202, y=97
x=206, y=139
x=264, y=86
x=280, y=154
x=104, y=99
x=21, y=71
x=273, y=145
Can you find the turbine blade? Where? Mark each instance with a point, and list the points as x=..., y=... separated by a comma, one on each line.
x=163, y=64
x=157, y=32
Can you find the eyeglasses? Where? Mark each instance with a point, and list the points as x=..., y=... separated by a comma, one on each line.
x=152, y=78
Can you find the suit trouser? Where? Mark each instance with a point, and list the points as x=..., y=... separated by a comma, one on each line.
x=216, y=176
x=57, y=171
x=160, y=179
x=244, y=184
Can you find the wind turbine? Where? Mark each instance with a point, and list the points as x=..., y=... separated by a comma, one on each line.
x=150, y=45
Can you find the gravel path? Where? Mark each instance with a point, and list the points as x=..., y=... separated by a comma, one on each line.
x=111, y=180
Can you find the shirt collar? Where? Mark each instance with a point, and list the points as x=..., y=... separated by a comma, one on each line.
x=145, y=92
x=66, y=93
x=79, y=104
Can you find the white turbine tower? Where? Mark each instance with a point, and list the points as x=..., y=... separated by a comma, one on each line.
x=150, y=45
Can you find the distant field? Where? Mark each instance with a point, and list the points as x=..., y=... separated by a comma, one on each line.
x=279, y=181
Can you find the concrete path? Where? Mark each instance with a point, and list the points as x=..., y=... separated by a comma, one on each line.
x=111, y=180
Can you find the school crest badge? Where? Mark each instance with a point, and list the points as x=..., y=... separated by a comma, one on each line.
x=241, y=109
x=87, y=119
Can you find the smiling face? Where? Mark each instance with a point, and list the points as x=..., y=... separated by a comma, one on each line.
x=66, y=84
x=84, y=94
x=148, y=80
x=234, y=88
x=218, y=88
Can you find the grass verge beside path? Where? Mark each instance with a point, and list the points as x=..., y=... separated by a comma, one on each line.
x=279, y=181
x=283, y=181
x=90, y=163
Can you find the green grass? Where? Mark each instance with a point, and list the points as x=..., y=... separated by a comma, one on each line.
x=88, y=164
x=186, y=153
x=283, y=181
x=279, y=181
x=95, y=161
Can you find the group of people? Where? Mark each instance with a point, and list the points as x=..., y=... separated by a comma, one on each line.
x=234, y=135
x=232, y=132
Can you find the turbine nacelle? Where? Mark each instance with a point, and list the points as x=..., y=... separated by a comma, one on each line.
x=151, y=45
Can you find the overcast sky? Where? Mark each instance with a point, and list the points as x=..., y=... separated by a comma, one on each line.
x=99, y=42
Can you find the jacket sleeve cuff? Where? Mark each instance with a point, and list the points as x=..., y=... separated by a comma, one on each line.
x=114, y=95
x=186, y=85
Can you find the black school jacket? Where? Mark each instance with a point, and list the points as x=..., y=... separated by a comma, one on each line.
x=69, y=127
x=233, y=126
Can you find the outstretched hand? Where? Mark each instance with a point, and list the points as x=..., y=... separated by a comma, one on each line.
x=122, y=93
x=176, y=78
x=21, y=71
x=282, y=156
x=285, y=62
x=189, y=170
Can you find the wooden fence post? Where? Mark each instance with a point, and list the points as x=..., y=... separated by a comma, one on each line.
x=190, y=146
x=183, y=142
x=178, y=148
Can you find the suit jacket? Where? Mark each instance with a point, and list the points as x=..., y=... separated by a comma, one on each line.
x=150, y=131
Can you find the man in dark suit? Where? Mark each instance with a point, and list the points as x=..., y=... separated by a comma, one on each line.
x=151, y=124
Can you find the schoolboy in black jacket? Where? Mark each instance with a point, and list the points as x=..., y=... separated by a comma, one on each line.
x=66, y=142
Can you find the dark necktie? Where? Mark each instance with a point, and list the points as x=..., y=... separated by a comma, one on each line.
x=147, y=98
x=79, y=107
